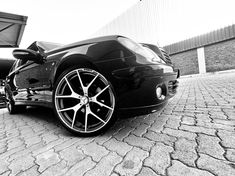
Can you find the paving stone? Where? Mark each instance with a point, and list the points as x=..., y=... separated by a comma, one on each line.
x=215, y=126
x=59, y=170
x=218, y=116
x=225, y=122
x=180, y=169
x=230, y=154
x=85, y=141
x=180, y=133
x=141, y=142
x=105, y=166
x=24, y=152
x=160, y=137
x=3, y=149
x=26, y=131
x=21, y=164
x=197, y=129
x=123, y=133
x=140, y=130
x=11, y=152
x=210, y=145
x=31, y=141
x=66, y=144
x=129, y=144
x=159, y=158
x=32, y=171
x=14, y=143
x=120, y=147
x=118, y=125
x=203, y=117
x=72, y=155
x=172, y=123
x=3, y=166
x=47, y=159
x=47, y=147
x=149, y=119
x=47, y=138
x=132, y=162
x=159, y=123
x=81, y=167
x=95, y=151
x=185, y=151
x=230, y=114
x=188, y=120
x=7, y=173
x=102, y=139
x=133, y=122
x=217, y=167
x=145, y=171
x=228, y=138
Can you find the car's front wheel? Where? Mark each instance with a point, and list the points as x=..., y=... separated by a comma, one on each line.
x=84, y=101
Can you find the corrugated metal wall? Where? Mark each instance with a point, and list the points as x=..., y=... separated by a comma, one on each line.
x=165, y=22
x=144, y=22
x=202, y=40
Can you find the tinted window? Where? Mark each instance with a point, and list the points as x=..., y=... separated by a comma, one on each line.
x=46, y=46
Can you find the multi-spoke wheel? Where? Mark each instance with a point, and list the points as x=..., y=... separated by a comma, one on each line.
x=84, y=101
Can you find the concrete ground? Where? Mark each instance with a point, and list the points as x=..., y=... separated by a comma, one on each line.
x=193, y=135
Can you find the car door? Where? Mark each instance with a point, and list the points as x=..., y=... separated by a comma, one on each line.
x=33, y=81
x=29, y=82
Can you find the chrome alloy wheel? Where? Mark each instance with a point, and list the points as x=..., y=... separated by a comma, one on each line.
x=84, y=100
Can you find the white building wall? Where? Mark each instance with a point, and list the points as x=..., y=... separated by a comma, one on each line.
x=141, y=22
x=168, y=21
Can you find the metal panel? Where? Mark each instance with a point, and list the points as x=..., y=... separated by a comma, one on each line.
x=202, y=40
x=11, y=29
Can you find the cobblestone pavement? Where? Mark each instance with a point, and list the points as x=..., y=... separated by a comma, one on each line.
x=193, y=135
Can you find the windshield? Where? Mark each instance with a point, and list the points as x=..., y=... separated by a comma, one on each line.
x=46, y=46
x=43, y=46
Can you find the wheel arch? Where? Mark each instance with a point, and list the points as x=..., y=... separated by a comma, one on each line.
x=72, y=61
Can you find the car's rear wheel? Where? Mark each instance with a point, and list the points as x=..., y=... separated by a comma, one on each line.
x=84, y=101
x=11, y=107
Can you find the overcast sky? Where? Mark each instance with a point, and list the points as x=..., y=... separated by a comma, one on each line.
x=62, y=21
x=67, y=21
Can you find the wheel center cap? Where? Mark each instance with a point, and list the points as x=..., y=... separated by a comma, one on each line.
x=84, y=100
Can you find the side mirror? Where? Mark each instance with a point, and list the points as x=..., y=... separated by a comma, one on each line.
x=27, y=54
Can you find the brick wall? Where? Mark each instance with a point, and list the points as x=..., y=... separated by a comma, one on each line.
x=186, y=62
x=220, y=56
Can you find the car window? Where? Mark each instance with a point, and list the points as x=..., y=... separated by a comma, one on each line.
x=29, y=62
x=13, y=67
x=18, y=63
x=22, y=62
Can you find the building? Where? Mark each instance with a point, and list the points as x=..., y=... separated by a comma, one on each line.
x=166, y=22
x=11, y=32
x=210, y=52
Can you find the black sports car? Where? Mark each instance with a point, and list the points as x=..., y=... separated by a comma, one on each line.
x=87, y=82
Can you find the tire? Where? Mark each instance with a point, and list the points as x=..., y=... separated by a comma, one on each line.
x=11, y=107
x=84, y=101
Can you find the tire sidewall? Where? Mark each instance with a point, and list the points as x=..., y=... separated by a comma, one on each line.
x=111, y=121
